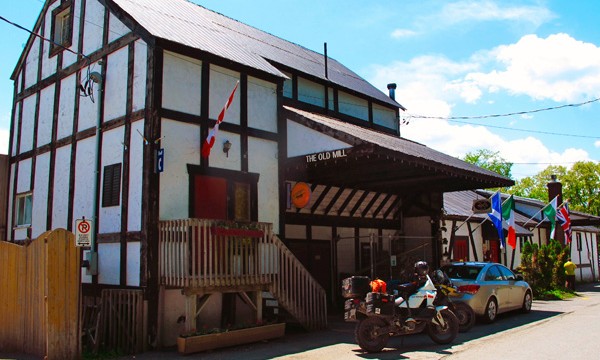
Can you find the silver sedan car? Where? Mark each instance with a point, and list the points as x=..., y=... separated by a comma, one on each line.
x=490, y=288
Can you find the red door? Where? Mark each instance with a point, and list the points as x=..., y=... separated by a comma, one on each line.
x=495, y=248
x=461, y=250
x=210, y=198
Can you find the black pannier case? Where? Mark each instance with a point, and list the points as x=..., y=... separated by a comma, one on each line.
x=356, y=287
x=380, y=304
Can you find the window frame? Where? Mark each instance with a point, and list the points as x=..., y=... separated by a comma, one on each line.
x=23, y=210
x=111, y=192
x=63, y=16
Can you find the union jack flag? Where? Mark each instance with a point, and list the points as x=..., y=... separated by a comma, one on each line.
x=562, y=215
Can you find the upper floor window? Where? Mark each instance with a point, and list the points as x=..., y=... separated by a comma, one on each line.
x=23, y=209
x=62, y=28
x=111, y=188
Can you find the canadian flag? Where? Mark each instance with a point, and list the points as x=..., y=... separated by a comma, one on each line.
x=210, y=139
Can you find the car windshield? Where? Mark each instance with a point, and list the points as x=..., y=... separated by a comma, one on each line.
x=464, y=272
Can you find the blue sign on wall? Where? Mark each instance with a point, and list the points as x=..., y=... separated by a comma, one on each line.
x=160, y=160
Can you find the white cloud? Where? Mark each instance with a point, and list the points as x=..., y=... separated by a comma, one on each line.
x=558, y=67
x=597, y=143
x=476, y=10
x=4, y=141
x=402, y=33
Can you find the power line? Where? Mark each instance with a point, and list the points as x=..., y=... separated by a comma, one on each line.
x=503, y=115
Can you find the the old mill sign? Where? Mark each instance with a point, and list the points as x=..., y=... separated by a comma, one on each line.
x=326, y=155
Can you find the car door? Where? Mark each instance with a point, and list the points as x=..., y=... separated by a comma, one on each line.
x=514, y=291
x=493, y=278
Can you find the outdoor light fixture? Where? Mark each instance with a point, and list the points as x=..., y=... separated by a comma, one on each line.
x=226, y=147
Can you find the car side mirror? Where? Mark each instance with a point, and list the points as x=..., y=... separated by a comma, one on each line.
x=519, y=277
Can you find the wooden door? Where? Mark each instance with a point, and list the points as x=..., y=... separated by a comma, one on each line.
x=210, y=197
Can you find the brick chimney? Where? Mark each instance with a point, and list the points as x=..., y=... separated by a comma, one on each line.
x=555, y=190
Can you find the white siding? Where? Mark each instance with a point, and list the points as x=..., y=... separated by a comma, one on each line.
x=219, y=159
x=11, y=186
x=66, y=107
x=262, y=105
x=133, y=263
x=136, y=162
x=94, y=24
x=31, y=63
x=48, y=63
x=116, y=29
x=139, y=75
x=109, y=263
x=45, y=117
x=115, y=85
x=83, y=196
x=112, y=153
x=27, y=122
x=24, y=180
x=353, y=106
x=302, y=141
x=88, y=110
x=182, y=76
x=182, y=146
x=222, y=82
x=262, y=159
x=15, y=135
x=61, y=196
x=40, y=195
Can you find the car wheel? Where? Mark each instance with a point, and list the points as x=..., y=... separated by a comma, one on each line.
x=491, y=310
x=527, y=301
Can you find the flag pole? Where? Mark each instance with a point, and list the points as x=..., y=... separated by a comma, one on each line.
x=542, y=209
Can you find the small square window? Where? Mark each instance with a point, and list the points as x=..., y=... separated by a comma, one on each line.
x=62, y=28
x=111, y=188
x=23, y=209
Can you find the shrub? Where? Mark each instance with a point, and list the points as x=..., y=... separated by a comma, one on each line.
x=543, y=266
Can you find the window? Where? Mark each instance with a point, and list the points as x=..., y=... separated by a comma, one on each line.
x=493, y=274
x=111, y=188
x=62, y=28
x=23, y=209
x=508, y=275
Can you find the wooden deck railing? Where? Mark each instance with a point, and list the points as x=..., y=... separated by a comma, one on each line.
x=200, y=253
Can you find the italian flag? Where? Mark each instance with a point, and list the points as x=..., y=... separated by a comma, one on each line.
x=550, y=213
x=508, y=214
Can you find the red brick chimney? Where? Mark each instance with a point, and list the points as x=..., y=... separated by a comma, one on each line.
x=555, y=190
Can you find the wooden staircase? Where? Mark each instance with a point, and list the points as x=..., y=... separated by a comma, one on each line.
x=202, y=256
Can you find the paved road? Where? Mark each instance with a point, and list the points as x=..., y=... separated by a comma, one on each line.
x=537, y=335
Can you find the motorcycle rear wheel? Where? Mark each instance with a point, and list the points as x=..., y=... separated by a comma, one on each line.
x=447, y=333
x=466, y=316
x=368, y=334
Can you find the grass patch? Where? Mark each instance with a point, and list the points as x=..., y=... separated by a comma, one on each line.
x=101, y=355
x=555, y=294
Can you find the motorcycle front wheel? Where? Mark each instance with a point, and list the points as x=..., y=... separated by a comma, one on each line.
x=466, y=316
x=446, y=333
x=369, y=335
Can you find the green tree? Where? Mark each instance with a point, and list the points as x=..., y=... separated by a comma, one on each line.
x=581, y=185
x=489, y=160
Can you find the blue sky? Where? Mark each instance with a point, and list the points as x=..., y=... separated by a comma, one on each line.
x=449, y=59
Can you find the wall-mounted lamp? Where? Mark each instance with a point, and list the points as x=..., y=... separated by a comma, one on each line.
x=226, y=147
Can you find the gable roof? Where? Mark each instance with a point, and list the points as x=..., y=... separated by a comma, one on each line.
x=194, y=26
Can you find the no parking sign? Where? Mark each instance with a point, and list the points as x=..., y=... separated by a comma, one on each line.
x=83, y=232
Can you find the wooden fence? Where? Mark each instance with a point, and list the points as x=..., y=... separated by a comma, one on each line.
x=39, y=296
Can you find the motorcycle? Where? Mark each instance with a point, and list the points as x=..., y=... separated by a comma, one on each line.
x=451, y=298
x=382, y=315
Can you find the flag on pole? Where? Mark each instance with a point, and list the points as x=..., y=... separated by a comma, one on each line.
x=508, y=214
x=550, y=213
x=565, y=221
x=210, y=139
x=496, y=216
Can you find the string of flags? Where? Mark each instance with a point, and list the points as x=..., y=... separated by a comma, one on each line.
x=503, y=213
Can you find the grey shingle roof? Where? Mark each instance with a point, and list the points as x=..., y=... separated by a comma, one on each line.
x=197, y=27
